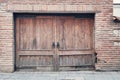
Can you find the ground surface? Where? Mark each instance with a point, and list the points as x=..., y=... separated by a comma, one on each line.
x=69, y=75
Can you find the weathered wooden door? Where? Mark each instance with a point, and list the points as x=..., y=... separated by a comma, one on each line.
x=35, y=36
x=75, y=43
x=54, y=42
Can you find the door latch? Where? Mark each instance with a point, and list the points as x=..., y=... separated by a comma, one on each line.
x=58, y=45
x=53, y=45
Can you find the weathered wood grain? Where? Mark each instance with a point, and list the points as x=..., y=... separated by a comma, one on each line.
x=35, y=36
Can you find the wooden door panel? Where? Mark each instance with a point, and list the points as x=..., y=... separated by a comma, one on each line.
x=45, y=33
x=76, y=60
x=36, y=34
x=69, y=40
x=65, y=32
x=83, y=34
x=75, y=36
x=35, y=61
x=34, y=42
x=26, y=33
x=88, y=28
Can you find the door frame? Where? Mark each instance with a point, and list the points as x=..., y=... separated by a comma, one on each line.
x=84, y=15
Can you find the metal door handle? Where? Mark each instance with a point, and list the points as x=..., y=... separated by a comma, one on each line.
x=58, y=45
x=53, y=45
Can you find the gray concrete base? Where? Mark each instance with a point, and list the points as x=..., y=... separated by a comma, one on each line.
x=69, y=75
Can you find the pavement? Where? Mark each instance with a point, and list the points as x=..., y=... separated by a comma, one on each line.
x=68, y=75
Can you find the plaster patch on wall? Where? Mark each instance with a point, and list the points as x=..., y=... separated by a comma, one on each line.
x=117, y=43
x=116, y=32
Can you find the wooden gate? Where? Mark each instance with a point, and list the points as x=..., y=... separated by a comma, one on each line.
x=54, y=42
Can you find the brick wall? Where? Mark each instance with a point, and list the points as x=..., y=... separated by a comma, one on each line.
x=6, y=39
x=105, y=39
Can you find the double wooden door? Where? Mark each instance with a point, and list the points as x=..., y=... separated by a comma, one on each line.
x=54, y=43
